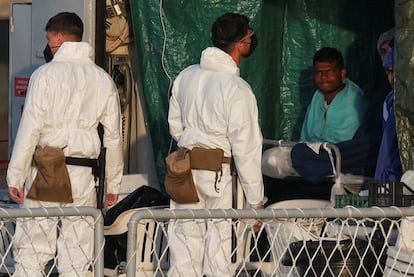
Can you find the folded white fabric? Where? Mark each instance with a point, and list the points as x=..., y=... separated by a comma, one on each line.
x=277, y=163
x=408, y=179
x=352, y=183
x=315, y=146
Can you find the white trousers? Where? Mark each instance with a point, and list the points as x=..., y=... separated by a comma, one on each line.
x=39, y=240
x=199, y=247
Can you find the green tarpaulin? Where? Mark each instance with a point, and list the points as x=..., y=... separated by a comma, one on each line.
x=170, y=35
x=404, y=80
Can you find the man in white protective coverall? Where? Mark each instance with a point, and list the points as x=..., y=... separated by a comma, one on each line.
x=213, y=107
x=66, y=100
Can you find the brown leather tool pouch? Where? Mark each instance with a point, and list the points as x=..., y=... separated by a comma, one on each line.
x=209, y=159
x=206, y=159
x=179, y=182
x=52, y=182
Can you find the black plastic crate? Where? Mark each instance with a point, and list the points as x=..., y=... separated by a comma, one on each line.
x=380, y=194
x=385, y=194
x=407, y=201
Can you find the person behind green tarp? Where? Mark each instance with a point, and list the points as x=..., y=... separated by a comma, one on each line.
x=338, y=105
x=389, y=163
x=383, y=43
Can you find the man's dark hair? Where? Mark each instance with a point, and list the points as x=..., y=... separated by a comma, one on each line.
x=329, y=54
x=67, y=23
x=228, y=29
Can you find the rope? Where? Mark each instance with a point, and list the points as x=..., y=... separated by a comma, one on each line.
x=117, y=34
x=170, y=81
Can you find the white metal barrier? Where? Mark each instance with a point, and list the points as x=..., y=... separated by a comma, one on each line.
x=298, y=242
x=292, y=242
x=9, y=216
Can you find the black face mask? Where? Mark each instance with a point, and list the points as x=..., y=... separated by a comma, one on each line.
x=47, y=53
x=253, y=44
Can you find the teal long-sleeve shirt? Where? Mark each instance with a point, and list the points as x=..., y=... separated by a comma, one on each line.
x=337, y=122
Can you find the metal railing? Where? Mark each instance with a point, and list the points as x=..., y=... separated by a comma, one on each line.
x=12, y=214
x=339, y=224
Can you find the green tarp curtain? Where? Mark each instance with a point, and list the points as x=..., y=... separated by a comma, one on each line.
x=170, y=35
x=404, y=80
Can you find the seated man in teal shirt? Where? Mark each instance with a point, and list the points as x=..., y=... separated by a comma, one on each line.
x=338, y=105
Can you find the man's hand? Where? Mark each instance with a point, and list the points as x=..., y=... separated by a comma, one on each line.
x=258, y=224
x=111, y=199
x=17, y=195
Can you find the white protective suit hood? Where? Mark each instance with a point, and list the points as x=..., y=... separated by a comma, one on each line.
x=215, y=59
x=74, y=51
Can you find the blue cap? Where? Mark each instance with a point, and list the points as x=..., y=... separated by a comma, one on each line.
x=389, y=59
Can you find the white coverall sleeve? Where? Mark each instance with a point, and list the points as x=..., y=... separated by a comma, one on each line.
x=28, y=133
x=174, y=115
x=112, y=140
x=246, y=143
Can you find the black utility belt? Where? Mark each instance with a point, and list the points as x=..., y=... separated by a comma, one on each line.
x=82, y=162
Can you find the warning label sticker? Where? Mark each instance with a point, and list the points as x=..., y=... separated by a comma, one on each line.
x=20, y=86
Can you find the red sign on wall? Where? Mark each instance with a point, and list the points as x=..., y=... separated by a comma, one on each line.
x=20, y=86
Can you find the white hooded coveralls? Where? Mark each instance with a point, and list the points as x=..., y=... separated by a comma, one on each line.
x=211, y=106
x=66, y=100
